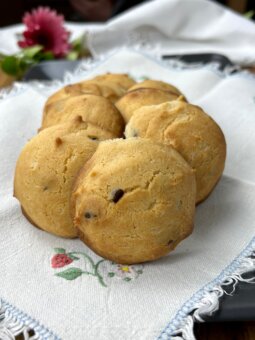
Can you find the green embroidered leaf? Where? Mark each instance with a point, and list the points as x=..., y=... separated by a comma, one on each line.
x=111, y=274
x=75, y=258
x=127, y=279
x=139, y=271
x=60, y=250
x=70, y=274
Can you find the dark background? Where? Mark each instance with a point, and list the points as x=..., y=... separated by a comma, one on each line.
x=11, y=11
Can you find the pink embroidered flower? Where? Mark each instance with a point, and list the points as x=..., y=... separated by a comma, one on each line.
x=60, y=260
x=46, y=28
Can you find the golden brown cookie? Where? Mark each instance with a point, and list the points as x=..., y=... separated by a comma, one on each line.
x=46, y=169
x=93, y=109
x=111, y=86
x=109, y=89
x=123, y=80
x=156, y=84
x=73, y=90
x=133, y=100
x=134, y=200
x=191, y=132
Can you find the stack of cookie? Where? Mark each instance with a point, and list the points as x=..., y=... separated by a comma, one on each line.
x=129, y=199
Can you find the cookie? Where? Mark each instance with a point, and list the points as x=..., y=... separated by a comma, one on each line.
x=191, y=132
x=134, y=200
x=46, y=169
x=109, y=89
x=133, y=100
x=74, y=90
x=156, y=84
x=123, y=80
x=111, y=86
x=93, y=109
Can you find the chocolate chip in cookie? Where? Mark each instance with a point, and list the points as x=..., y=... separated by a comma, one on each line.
x=117, y=195
x=88, y=215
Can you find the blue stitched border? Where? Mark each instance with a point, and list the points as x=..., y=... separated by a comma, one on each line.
x=26, y=320
x=186, y=308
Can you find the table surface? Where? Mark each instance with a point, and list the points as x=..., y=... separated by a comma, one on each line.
x=205, y=331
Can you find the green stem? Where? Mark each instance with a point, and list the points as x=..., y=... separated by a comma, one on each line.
x=86, y=257
x=100, y=278
x=94, y=267
x=88, y=273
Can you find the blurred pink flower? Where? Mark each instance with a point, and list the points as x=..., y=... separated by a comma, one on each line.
x=46, y=28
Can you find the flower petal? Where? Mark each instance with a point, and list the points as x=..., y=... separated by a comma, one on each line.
x=46, y=28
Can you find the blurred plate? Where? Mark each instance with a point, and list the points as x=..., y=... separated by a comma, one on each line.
x=50, y=70
x=204, y=58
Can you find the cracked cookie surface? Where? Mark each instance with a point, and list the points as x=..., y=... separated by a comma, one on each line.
x=156, y=84
x=111, y=86
x=138, y=98
x=93, y=109
x=191, y=132
x=46, y=169
x=134, y=200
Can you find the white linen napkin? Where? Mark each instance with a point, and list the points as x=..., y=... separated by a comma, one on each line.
x=128, y=302
x=179, y=27
x=165, y=27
